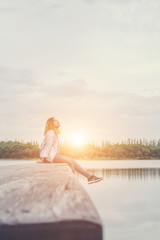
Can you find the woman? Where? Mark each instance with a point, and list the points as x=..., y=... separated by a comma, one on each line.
x=49, y=152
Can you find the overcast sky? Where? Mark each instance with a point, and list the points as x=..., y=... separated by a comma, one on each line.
x=92, y=64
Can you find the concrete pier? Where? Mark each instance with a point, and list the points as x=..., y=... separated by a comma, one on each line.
x=45, y=201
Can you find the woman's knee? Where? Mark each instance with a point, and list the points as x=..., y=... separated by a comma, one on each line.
x=72, y=160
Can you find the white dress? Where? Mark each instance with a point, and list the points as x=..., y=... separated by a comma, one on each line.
x=49, y=147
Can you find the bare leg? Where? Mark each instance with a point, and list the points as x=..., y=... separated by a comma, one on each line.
x=72, y=163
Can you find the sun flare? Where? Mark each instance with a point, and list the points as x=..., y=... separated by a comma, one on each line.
x=78, y=140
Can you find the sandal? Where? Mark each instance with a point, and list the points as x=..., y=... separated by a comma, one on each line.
x=94, y=179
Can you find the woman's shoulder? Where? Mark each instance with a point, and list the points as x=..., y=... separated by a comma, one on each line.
x=50, y=132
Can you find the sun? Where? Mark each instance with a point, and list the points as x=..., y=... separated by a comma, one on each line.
x=78, y=140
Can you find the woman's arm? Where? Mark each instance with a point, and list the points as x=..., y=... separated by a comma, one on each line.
x=50, y=140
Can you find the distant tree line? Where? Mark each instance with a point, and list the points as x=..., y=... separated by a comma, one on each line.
x=18, y=150
x=128, y=149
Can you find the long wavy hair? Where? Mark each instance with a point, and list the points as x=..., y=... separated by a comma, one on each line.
x=50, y=126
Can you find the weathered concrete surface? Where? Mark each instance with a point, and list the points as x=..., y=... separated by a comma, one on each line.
x=45, y=201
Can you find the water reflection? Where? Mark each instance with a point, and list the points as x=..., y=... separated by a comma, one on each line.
x=128, y=173
x=127, y=201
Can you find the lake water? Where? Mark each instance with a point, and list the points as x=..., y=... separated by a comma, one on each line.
x=127, y=200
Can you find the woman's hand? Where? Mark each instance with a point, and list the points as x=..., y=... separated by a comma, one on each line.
x=43, y=160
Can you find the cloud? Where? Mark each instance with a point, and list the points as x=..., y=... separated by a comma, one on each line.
x=18, y=90
x=16, y=76
x=20, y=86
x=25, y=103
x=56, y=5
x=90, y=1
x=129, y=16
x=16, y=83
x=75, y=94
x=72, y=89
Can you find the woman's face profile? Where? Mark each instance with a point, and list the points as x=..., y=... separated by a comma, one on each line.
x=56, y=123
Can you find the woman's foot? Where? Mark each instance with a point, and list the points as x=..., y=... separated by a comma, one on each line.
x=94, y=179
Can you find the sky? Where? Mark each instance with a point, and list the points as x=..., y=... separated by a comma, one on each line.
x=92, y=64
